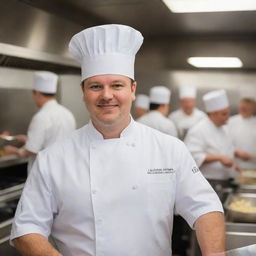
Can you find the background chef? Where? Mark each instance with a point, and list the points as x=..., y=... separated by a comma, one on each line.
x=210, y=142
x=159, y=98
x=141, y=105
x=52, y=122
x=187, y=115
x=243, y=130
x=110, y=189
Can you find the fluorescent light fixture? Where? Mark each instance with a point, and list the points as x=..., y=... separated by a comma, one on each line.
x=187, y=6
x=215, y=62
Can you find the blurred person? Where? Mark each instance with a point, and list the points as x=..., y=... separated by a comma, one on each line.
x=159, y=98
x=243, y=131
x=52, y=121
x=141, y=105
x=187, y=115
x=210, y=142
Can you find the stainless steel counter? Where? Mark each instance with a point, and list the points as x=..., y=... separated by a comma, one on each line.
x=6, y=161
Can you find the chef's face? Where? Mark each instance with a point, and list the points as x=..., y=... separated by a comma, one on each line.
x=36, y=97
x=108, y=98
x=246, y=108
x=221, y=117
x=188, y=104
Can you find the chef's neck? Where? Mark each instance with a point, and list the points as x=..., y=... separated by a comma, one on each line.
x=40, y=99
x=44, y=101
x=111, y=130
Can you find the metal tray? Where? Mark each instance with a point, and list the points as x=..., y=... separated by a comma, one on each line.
x=246, y=182
x=237, y=215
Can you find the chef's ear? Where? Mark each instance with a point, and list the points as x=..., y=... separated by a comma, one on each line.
x=133, y=88
x=82, y=85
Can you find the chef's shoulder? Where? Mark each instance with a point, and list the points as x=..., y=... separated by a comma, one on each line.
x=234, y=119
x=175, y=115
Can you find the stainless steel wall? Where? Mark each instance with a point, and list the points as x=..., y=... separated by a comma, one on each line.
x=35, y=29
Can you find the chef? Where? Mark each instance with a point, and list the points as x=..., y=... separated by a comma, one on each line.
x=187, y=115
x=159, y=97
x=111, y=187
x=141, y=105
x=52, y=122
x=209, y=140
x=243, y=130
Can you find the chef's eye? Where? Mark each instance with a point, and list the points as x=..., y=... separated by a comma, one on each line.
x=117, y=86
x=95, y=87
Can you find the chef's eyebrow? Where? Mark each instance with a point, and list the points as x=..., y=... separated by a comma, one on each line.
x=97, y=82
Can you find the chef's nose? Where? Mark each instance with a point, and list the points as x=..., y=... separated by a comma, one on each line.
x=107, y=93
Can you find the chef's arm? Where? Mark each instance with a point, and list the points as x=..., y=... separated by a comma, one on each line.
x=34, y=245
x=225, y=160
x=210, y=232
x=20, y=152
x=243, y=155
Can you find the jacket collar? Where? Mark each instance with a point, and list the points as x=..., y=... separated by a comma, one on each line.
x=96, y=135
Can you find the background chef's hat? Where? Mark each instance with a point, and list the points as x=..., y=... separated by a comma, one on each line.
x=159, y=95
x=215, y=101
x=142, y=101
x=45, y=81
x=106, y=49
x=247, y=93
x=187, y=91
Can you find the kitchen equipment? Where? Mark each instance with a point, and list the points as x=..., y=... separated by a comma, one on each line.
x=245, y=182
x=247, y=177
x=241, y=207
x=7, y=137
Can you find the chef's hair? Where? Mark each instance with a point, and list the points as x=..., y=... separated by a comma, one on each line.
x=48, y=94
x=154, y=106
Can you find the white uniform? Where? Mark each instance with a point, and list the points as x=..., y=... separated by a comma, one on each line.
x=50, y=123
x=243, y=132
x=206, y=138
x=158, y=121
x=113, y=197
x=184, y=122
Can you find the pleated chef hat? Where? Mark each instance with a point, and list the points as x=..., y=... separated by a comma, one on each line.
x=106, y=49
x=187, y=92
x=215, y=100
x=45, y=81
x=142, y=101
x=160, y=95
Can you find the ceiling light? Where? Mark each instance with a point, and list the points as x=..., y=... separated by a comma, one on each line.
x=183, y=6
x=215, y=62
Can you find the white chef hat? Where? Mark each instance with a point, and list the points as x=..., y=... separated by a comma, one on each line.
x=159, y=95
x=142, y=101
x=247, y=93
x=215, y=101
x=187, y=91
x=45, y=81
x=106, y=49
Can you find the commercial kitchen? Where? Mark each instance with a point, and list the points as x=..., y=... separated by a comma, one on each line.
x=178, y=34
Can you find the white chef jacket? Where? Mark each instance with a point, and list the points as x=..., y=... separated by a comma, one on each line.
x=184, y=122
x=243, y=133
x=158, y=121
x=206, y=138
x=52, y=122
x=113, y=197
